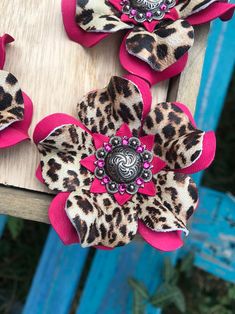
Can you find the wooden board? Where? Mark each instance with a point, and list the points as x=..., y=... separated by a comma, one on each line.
x=56, y=73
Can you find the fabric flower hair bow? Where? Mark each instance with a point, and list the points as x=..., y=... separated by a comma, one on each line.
x=159, y=33
x=15, y=106
x=121, y=168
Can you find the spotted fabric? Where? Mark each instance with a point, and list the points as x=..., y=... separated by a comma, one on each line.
x=105, y=110
x=189, y=7
x=175, y=202
x=98, y=16
x=160, y=49
x=99, y=220
x=177, y=141
x=11, y=100
x=61, y=152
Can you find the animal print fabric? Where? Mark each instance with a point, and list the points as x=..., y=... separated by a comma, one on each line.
x=11, y=100
x=105, y=110
x=162, y=48
x=177, y=142
x=98, y=16
x=61, y=152
x=99, y=220
x=175, y=202
x=189, y=7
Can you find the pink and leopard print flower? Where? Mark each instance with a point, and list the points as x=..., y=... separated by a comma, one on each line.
x=159, y=33
x=15, y=105
x=121, y=168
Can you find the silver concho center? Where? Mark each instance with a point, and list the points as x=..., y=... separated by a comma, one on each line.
x=123, y=164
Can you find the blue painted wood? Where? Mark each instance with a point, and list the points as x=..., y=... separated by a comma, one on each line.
x=3, y=220
x=107, y=290
x=213, y=234
x=56, y=279
x=217, y=73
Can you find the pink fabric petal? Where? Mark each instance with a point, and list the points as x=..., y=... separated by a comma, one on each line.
x=60, y=221
x=158, y=164
x=73, y=31
x=99, y=140
x=164, y=241
x=148, y=141
x=124, y=130
x=148, y=189
x=18, y=131
x=89, y=163
x=51, y=122
x=145, y=91
x=97, y=187
x=207, y=156
x=38, y=174
x=116, y=4
x=140, y=68
x=4, y=40
x=218, y=9
x=122, y=198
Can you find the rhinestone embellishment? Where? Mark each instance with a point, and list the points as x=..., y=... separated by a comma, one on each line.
x=146, y=10
x=123, y=165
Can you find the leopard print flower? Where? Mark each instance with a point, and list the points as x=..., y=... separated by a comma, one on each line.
x=159, y=33
x=15, y=105
x=121, y=168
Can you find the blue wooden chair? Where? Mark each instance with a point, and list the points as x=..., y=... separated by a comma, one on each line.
x=106, y=289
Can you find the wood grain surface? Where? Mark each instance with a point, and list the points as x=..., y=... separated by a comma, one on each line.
x=56, y=72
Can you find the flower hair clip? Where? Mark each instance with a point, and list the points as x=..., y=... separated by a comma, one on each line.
x=15, y=106
x=159, y=33
x=121, y=168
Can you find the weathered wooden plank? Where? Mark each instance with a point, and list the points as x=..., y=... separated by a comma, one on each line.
x=56, y=279
x=24, y=204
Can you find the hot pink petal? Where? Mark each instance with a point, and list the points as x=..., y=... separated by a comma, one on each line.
x=51, y=122
x=74, y=32
x=99, y=139
x=124, y=130
x=38, y=174
x=164, y=241
x=122, y=198
x=4, y=40
x=116, y=4
x=89, y=163
x=218, y=9
x=140, y=68
x=207, y=155
x=158, y=164
x=148, y=141
x=148, y=189
x=97, y=187
x=145, y=91
x=60, y=221
x=18, y=131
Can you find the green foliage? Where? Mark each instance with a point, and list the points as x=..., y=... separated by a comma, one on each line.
x=15, y=226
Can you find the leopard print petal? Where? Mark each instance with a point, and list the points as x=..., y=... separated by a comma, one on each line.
x=11, y=100
x=61, y=152
x=162, y=48
x=175, y=202
x=99, y=220
x=189, y=7
x=98, y=16
x=105, y=110
x=177, y=141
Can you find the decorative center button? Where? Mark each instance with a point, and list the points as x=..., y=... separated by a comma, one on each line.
x=147, y=10
x=123, y=164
